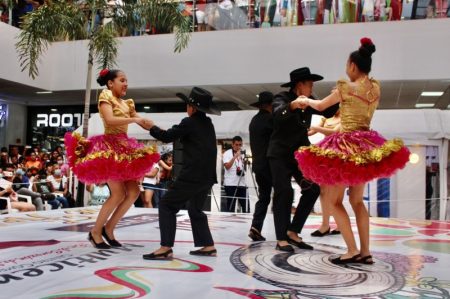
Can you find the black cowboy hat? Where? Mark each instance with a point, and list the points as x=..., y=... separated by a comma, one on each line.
x=301, y=74
x=201, y=99
x=265, y=97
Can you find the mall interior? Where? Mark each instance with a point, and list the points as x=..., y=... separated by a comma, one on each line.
x=236, y=50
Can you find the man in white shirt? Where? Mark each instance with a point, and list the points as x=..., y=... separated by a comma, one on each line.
x=234, y=176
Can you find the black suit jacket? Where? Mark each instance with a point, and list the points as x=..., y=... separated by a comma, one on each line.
x=198, y=137
x=260, y=129
x=290, y=128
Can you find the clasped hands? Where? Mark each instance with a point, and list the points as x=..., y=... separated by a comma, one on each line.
x=146, y=124
x=300, y=102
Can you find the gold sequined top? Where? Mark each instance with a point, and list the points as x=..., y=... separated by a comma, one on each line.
x=121, y=108
x=359, y=100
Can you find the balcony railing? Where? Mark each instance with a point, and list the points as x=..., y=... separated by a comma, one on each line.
x=240, y=14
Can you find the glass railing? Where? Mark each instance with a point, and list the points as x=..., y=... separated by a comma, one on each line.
x=240, y=14
x=227, y=14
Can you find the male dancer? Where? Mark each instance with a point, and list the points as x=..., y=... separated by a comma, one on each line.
x=290, y=131
x=197, y=175
x=260, y=129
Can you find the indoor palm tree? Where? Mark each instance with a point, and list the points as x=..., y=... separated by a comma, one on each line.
x=60, y=20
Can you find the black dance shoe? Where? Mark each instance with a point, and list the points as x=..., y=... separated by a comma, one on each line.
x=255, y=235
x=301, y=244
x=199, y=252
x=285, y=248
x=318, y=233
x=351, y=260
x=163, y=256
x=335, y=232
x=111, y=242
x=101, y=245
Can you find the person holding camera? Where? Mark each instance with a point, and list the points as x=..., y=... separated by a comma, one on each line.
x=234, y=176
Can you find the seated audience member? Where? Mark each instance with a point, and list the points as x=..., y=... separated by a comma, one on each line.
x=99, y=194
x=42, y=186
x=60, y=187
x=21, y=184
x=15, y=203
x=32, y=161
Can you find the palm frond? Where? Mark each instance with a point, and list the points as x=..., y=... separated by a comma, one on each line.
x=105, y=45
x=165, y=17
x=49, y=23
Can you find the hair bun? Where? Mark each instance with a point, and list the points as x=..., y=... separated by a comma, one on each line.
x=367, y=47
x=102, y=77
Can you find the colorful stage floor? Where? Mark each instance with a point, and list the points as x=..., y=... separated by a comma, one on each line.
x=47, y=255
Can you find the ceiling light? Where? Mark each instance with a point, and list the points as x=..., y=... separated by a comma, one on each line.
x=44, y=92
x=424, y=105
x=146, y=107
x=431, y=93
x=414, y=158
x=54, y=109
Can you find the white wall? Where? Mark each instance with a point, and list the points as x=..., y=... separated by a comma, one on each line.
x=407, y=50
x=16, y=125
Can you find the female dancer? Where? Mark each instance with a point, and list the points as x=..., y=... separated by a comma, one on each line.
x=113, y=157
x=327, y=127
x=355, y=155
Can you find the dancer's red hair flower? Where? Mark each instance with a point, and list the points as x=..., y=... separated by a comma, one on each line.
x=104, y=72
x=366, y=41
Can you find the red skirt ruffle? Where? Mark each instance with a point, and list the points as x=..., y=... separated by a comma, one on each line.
x=352, y=158
x=104, y=158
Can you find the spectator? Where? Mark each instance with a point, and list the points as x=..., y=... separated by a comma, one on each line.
x=42, y=186
x=234, y=176
x=99, y=194
x=15, y=203
x=20, y=186
x=14, y=154
x=32, y=161
x=59, y=187
x=165, y=177
x=149, y=184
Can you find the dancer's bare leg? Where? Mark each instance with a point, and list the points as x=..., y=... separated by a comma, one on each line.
x=362, y=217
x=132, y=193
x=118, y=192
x=325, y=226
x=335, y=195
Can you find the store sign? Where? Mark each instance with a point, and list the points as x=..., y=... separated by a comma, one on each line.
x=59, y=120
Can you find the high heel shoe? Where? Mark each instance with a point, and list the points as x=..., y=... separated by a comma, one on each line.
x=111, y=242
x=101, y=245
x=164, y=256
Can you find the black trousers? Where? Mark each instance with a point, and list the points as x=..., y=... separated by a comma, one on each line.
x=263, y=178
x=194, y=195
x=282, y=172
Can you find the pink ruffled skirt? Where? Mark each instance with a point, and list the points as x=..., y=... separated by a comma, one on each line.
x=103, y=158
x=352, y=158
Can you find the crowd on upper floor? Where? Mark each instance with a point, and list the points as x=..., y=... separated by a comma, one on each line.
x=238, y=14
